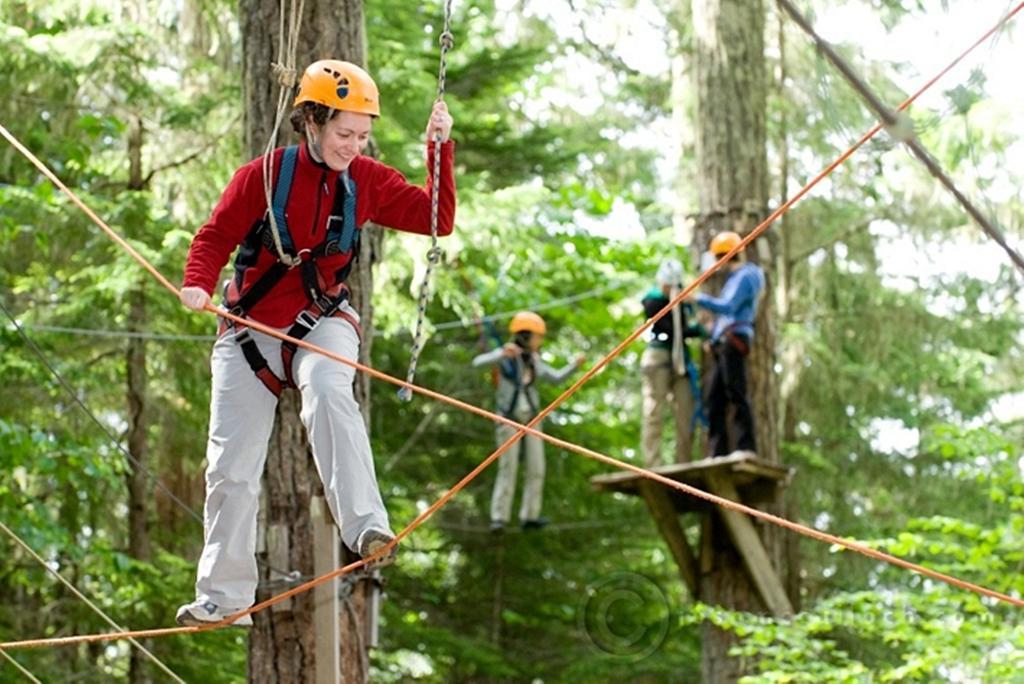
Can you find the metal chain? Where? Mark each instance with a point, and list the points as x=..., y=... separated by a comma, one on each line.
x=78, y=398
x=447, y=41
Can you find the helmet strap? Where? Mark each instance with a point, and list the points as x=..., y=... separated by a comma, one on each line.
x=522, y=338
x=314, y=140
x=318, y=153
x=314, y=145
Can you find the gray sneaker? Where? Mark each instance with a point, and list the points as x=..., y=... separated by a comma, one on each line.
x=199, y=613
x=371, y=542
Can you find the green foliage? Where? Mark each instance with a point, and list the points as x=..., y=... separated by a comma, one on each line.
x=865, y=354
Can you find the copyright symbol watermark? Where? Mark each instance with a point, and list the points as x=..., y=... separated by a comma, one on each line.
x=625, y=614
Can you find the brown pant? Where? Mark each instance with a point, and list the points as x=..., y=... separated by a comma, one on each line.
x=662, y=387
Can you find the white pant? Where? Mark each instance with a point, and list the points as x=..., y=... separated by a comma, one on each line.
x=662, y=386
x=508, y=465
x=241, y=420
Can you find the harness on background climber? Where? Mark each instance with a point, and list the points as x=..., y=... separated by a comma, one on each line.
x=523, y=326
x=670, y=273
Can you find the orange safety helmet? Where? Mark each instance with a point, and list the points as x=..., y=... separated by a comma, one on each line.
x=527, y=321
x=724, y=242
x=339, y=85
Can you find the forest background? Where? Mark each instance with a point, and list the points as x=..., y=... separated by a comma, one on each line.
x=899, y=332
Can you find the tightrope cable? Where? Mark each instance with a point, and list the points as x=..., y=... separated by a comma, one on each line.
x=903, y=131
x=92, y=606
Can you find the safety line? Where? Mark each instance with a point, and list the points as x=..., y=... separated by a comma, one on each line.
x=92, y=416
x=907, y=137
x=454, y=324
x=96, y=609
x=447, y=41
x=80, y=402
x=21, y=668
x=529, y=428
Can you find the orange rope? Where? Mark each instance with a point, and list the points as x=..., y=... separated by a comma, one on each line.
x=529, y=428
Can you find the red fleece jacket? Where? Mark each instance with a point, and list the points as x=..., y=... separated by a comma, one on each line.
x=382, y=196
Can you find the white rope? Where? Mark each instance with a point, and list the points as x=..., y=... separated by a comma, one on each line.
x=21, y=668
x=285, y=74
x=70, y=587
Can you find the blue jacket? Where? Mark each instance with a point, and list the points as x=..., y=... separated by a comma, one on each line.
x=736, y=306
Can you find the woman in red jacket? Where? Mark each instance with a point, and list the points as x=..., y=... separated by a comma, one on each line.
x=290, y=274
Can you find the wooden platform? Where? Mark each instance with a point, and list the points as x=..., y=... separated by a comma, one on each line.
x=755, y=480
x=737, y=478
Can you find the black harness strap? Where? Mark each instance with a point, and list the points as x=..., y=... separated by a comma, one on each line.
x=260, y=288
x=258, y=362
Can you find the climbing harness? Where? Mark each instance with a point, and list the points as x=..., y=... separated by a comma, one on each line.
x=513, y=371
x=447, y=41
x=341, y=238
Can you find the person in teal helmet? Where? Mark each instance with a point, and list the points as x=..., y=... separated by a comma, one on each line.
x=669, y=376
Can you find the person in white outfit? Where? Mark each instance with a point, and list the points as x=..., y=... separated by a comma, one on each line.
x=290, y=270
x=520, y=367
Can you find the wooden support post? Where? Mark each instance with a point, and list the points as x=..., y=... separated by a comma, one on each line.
x=325, y=597
x=277, y=555
x=667, y=520
x=754, y=555
x=707, y=552
x=373, y=636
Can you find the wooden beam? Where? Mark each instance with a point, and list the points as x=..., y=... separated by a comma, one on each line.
x=755, y=558
x=667, y=520
x=326, y=609
x=695, y=473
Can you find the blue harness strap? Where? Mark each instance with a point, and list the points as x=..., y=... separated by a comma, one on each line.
x=698, y=403
x=348, y=230
x=342, y=232
x=280, y=200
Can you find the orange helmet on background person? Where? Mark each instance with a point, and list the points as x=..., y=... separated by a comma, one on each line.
x=339, y=85
x=724, y=242
x=527, y=321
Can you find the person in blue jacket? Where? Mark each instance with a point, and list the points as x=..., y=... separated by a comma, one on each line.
x=732, y=334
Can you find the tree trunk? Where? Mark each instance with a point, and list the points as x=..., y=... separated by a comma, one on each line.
x=733, y=181
x=282, y=644
x=135, y=363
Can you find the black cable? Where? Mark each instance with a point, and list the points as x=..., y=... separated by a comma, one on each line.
x=81, y=404
x=113, y=439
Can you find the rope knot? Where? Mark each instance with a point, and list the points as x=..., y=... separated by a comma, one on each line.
x=447, y=40
x=434, y=254
x=286, y=76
